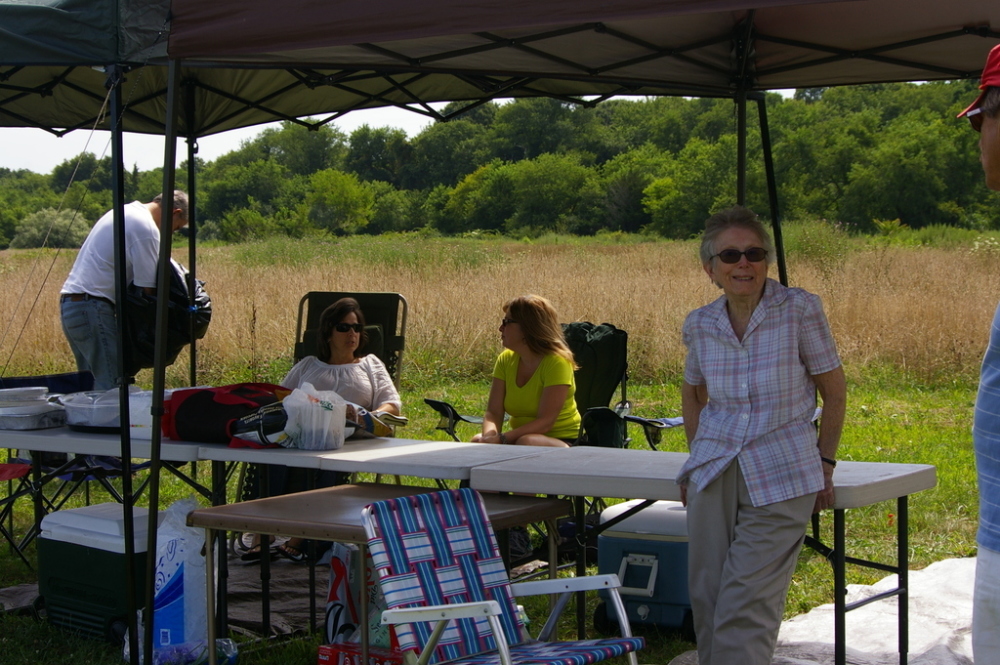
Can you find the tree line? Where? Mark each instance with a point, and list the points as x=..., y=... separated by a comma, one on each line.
x=858, y=155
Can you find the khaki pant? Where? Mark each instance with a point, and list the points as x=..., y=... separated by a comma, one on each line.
x=741, y=561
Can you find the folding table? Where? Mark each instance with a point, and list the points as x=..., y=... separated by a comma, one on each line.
x=651, y=475
x=334, y=513
x=65, y=440
x=438, y=460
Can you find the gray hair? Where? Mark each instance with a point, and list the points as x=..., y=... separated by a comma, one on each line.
x=180, y=201
x=735, y=217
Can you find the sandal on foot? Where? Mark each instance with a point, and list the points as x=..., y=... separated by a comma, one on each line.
x=291, y=553
x=253, y=554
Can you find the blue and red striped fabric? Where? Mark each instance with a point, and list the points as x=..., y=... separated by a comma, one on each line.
x=439, y=548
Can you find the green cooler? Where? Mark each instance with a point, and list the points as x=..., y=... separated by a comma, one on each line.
x=81, y=568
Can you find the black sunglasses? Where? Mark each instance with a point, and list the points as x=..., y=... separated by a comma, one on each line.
x=506, y=322
x=975, y=117
x=754, y=255
x=347, y=327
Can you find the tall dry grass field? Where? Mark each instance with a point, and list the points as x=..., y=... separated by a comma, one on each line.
x=923, y=311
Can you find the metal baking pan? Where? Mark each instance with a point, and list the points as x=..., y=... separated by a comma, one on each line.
x=54, y=417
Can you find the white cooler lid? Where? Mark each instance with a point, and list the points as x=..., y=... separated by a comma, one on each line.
x=100, y=526
x=663, y=518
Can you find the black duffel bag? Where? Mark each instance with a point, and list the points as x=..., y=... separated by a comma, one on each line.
x=185, y=322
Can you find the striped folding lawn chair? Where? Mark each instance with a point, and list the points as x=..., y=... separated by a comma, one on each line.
x=449, y=595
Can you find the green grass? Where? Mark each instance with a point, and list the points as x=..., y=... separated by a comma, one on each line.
x=892, y=417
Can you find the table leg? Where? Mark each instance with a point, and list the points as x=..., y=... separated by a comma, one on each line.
x=903, y=560
x=218, y=499
x=363, y=600
x=839, y=590
x=210, y=595
x=581, y=565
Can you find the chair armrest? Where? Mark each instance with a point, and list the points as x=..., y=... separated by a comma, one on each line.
x=439, y=612
x=565, y=585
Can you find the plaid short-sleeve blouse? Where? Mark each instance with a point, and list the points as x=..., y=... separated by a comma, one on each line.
x=761, y=398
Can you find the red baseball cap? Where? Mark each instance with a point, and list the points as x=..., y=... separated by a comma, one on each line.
x=989, y=79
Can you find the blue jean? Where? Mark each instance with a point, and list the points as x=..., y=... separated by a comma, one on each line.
x=91, y=331
x=986, y=608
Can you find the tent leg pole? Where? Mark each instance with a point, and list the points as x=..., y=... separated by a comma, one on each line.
x=772, y=189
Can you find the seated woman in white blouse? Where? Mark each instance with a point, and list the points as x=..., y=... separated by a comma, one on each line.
x=339, y=366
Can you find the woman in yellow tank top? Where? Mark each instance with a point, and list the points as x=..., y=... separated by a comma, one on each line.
x=532, y=380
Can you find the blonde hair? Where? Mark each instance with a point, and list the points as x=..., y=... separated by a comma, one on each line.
x=540, y=325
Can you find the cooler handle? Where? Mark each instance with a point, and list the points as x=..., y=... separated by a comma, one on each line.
x=647, y=560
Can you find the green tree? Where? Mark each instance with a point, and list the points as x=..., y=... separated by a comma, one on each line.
x=378, y=153
x=702, y=180
x=483, y=200
x=50, y=228
x=552, y=192
x=338, y=202
x=22, y=193
x=85, y=168
x=264, y=182
x=624, y=180
x=303, y=150
x=527, y=128
x=918, y=173
x=477, y=114
x=444, y=153
x=393, y=209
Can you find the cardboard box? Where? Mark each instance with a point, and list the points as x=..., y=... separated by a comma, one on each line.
x=81, y=568
x=350, y=654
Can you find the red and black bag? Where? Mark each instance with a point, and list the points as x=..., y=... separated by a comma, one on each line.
x=204, y=415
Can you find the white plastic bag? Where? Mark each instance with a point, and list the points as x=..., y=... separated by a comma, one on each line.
x=315, y=418
x=179, y=614
x=342, y=610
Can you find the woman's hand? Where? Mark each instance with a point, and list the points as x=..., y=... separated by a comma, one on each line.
x=825, y=497
x=492, y=437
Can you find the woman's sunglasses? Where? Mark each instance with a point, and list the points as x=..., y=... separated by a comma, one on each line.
x=347, y=327
x=506, y=322
x=754, y=255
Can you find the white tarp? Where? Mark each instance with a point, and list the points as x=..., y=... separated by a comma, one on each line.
x=940, y=625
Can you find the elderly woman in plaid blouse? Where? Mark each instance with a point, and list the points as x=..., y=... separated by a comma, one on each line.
x=758, y=468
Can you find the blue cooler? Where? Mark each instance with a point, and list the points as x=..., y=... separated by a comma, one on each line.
x=649, y=553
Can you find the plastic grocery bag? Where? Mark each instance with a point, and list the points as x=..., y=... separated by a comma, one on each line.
x=315, y=418
x=179, y=613
x=343, y=620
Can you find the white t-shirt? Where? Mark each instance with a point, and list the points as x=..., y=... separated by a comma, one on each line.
x=366, y=382
x=93, y=270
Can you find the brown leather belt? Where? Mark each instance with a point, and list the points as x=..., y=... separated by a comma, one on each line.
x=82, y=297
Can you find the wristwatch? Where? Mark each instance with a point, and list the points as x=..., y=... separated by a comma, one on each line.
x=831, y=462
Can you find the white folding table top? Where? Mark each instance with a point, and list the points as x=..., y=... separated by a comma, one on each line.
x=290, y=457
x=445, y=460
x=614, y=473
x=65, y=440
x=864, y=483
x=651, y=474
x=311, y=459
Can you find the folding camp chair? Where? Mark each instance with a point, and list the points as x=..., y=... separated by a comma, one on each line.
x=385, y=325
x=449, y=595
x=601, y=351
